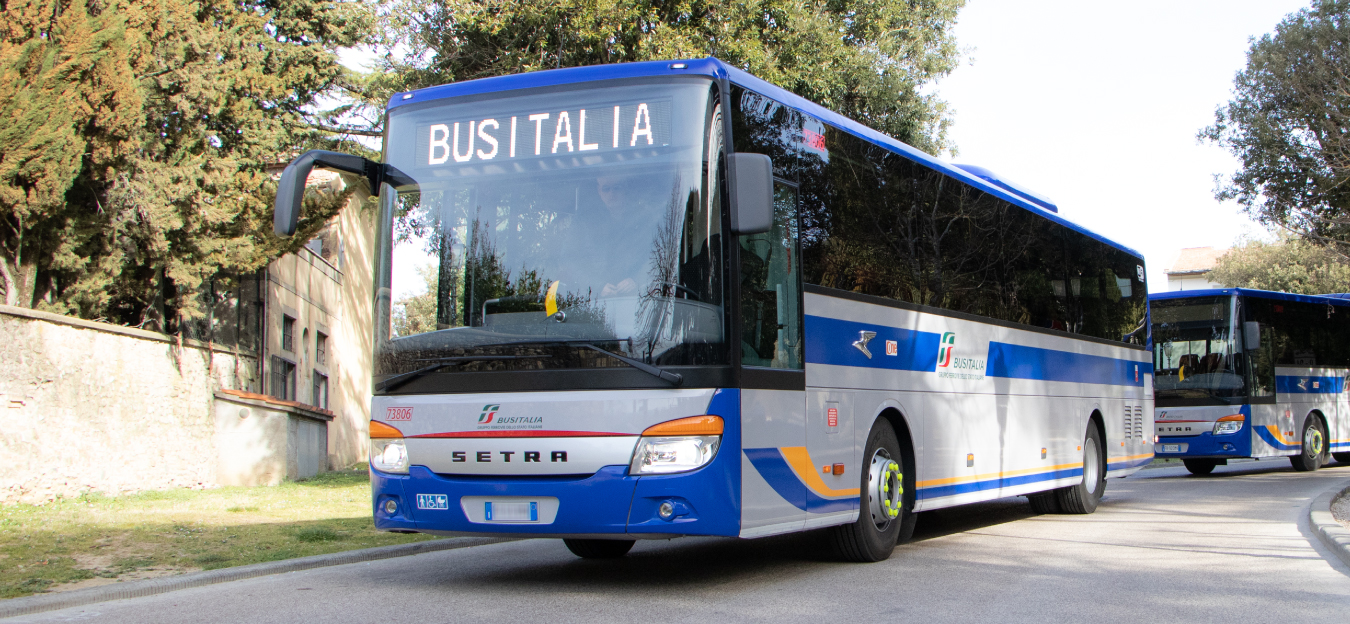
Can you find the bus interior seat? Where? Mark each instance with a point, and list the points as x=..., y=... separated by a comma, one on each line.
x=1189, y=363
x=1212, y=363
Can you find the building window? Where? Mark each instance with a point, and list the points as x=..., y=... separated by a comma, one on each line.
x=320, y=348
x=283, y=379
x=320, y=390
x=287, y=334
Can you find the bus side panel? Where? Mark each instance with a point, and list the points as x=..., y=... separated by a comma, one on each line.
x=836, y=431
x=1339, y=429
x=993, y=396
x=773, y=493
x=1265, y=420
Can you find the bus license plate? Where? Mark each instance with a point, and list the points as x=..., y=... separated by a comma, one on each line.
x=514, y=511
x=1171, y=448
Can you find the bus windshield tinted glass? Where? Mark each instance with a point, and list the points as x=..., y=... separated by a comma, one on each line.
x=545, y=221
x=1194, y=350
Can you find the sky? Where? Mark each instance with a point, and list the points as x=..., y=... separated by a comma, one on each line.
x=1097, y=105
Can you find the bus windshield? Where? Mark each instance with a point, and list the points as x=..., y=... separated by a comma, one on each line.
x=534, y=231
x=1194, y=351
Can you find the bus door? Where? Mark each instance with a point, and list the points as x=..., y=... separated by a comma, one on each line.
x=778, y=471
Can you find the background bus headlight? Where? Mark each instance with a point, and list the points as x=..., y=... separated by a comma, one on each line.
x=669, y=455
x=1229, y=424
x=389, y=455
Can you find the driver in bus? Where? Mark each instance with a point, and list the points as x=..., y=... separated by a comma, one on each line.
x=626, y=214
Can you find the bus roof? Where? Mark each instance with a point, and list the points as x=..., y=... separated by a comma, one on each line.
x=715, y=68
x=1337, y=299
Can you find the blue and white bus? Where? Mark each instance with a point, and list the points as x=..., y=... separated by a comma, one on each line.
x=1251, y=373
x=665, y=299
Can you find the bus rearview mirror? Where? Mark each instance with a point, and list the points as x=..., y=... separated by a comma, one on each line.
x=291, y=188
x=753, y=176
x=1251, y=335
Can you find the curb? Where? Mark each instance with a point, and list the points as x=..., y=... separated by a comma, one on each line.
x=29, y=605
x=1335, y=536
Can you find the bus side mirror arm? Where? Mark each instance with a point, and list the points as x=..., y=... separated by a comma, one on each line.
x=753, y=189
x=291, y=188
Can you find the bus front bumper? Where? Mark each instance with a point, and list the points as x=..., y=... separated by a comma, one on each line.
x=608, y=504
x=1206, y=445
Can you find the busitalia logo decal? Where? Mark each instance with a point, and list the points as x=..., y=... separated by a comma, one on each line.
x=945, y=349
x=490, y=418
x=949, y=366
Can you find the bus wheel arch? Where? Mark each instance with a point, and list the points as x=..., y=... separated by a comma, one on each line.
x=1082, y=498
x=909, y=464
x=1313, y=443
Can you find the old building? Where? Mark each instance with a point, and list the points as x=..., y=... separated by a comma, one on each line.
x=1191, y=269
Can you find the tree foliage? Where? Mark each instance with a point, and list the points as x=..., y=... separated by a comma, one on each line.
x=134, y=136
x=1289, y=125
x=1290, y=264
x=868, y=60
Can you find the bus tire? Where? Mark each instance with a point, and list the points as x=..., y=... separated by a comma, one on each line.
x=1314, y=437
x=886, y=502
x=1083, y=497
x=1200, y=467
x=598, y=548
x=1044, y=502
x=1343, y=458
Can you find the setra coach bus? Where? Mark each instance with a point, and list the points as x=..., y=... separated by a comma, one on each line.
x=662, y=299
x=1251, y=373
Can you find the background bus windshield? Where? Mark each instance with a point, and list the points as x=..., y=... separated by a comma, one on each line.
x=1194, y=351
x=520, y=228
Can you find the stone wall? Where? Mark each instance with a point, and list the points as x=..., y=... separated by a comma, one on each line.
x=87, y=406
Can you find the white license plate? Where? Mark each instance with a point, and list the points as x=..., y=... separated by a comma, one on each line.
x=1171, y=448
x=513, y=511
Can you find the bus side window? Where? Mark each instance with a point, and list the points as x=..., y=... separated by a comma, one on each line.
x=771, y=330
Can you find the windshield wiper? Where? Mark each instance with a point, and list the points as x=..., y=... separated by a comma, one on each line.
x=674, y=379
x=402, y=378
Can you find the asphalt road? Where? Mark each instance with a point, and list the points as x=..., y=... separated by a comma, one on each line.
x=1162, y=547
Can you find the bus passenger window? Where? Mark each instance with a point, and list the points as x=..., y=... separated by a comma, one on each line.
x=771, y=329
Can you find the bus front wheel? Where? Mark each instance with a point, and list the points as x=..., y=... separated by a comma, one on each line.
x=886, y=513
x=1314, y=446
x=598, y=548
x=1200, y=467
x=1083, y=497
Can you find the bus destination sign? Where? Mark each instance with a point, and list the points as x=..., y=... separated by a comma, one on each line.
x=578, y=131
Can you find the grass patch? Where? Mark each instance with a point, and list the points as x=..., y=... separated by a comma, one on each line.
x=317, y=534
x=155, y=533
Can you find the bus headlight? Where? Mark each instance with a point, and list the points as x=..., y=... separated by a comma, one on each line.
x=677, y=446
x=667, y=455
x=1229, y=424
x=389, y=456
x=387, y=451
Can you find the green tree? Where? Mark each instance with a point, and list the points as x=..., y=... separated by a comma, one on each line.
x=135, y=138
x=1290, y=264
x=867, y=60
x=1288, y=124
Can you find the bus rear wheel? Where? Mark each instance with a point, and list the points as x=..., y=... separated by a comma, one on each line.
x=1314, y=446
x=887, y=501
x=1200, y=467
x=1083, y=497
x=598, y=548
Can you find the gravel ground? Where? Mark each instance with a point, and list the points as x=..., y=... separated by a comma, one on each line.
x=1340, y=510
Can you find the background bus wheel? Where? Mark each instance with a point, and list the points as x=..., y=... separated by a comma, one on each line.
x=1344, y=458
x=886, y=502
x=1200, y=467
x=598, y=548
x=1044, y=503
x=1314, y=446
x=1083, y=498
